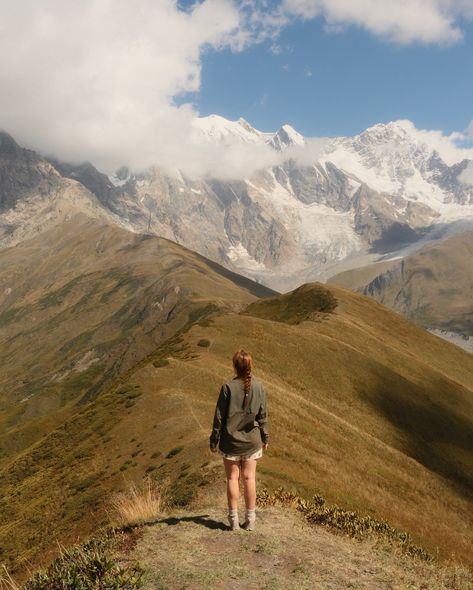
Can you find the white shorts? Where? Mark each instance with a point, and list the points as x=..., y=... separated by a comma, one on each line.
x=257, y=455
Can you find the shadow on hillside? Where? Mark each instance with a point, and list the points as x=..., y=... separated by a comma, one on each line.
x=203, y=520
x=436, y=435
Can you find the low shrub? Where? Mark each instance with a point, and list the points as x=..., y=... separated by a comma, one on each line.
x=88, y=567
x=173, y=452
x=355, y=525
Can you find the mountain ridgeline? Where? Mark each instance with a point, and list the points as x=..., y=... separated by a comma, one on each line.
x=114, y=346
x=320, y=208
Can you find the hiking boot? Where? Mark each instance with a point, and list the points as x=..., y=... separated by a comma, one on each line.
x=250, y=520
x=233, y=520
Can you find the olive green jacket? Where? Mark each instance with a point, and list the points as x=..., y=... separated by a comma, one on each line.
x=236, y=431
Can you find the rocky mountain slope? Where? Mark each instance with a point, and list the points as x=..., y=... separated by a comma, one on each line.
x=313, y=207
x=343, y=198
x=34, y=196
x=110, y=367
x=432, y=287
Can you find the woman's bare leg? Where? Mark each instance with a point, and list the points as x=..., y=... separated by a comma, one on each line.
x=232, y=471
x=249, y=480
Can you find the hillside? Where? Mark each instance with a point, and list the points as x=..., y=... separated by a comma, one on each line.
x=81, y=304
x=432, y=287
x=366, y=408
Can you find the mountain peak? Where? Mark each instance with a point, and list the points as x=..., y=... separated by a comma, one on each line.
x=402, y=129
x=215, y=127
x=286, y=136
x=8, y=145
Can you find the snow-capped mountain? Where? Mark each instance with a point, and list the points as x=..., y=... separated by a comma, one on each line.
x=286, y=137
x=310, y=213
x=218, y=129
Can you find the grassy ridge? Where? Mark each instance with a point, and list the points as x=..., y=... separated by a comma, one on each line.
x=366, y=409
x=85, y=304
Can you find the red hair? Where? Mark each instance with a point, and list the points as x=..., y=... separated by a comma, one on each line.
x=243, y=363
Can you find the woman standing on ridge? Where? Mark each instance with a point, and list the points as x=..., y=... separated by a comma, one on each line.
x=240, y=433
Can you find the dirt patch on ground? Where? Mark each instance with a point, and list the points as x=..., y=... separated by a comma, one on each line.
x=195, y=551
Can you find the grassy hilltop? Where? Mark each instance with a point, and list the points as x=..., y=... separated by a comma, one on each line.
x=366, y=408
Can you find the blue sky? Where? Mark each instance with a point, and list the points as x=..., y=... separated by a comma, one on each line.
x=340, y=83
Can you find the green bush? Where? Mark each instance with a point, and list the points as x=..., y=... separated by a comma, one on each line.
x=89, y=567
x=204, y=343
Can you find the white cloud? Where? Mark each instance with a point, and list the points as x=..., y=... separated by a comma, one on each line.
x=98, y=79
x=400, y=21
x=308, y=73
x=466, y=177
x=106, y=80
x=449, y=147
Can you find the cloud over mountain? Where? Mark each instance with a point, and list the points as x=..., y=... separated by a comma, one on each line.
x=109, y=81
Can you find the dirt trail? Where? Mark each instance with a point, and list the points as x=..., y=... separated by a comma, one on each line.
x=197, y=551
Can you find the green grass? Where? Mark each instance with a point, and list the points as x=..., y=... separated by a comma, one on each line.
x=158, y=363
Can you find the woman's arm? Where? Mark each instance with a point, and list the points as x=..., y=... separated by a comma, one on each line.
x=262, y=419
x=219, y=417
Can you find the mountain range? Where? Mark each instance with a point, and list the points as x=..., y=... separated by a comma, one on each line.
x=321, y=207
x=118, y=323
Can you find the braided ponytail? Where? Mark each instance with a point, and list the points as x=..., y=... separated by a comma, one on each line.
x=242, y=363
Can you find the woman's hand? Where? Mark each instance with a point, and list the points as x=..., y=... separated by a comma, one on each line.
x=213, y=449
x=265, y=447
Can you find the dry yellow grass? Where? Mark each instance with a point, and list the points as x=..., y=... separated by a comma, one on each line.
x=6, y=581
x=365, y=407
x=139, y=503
